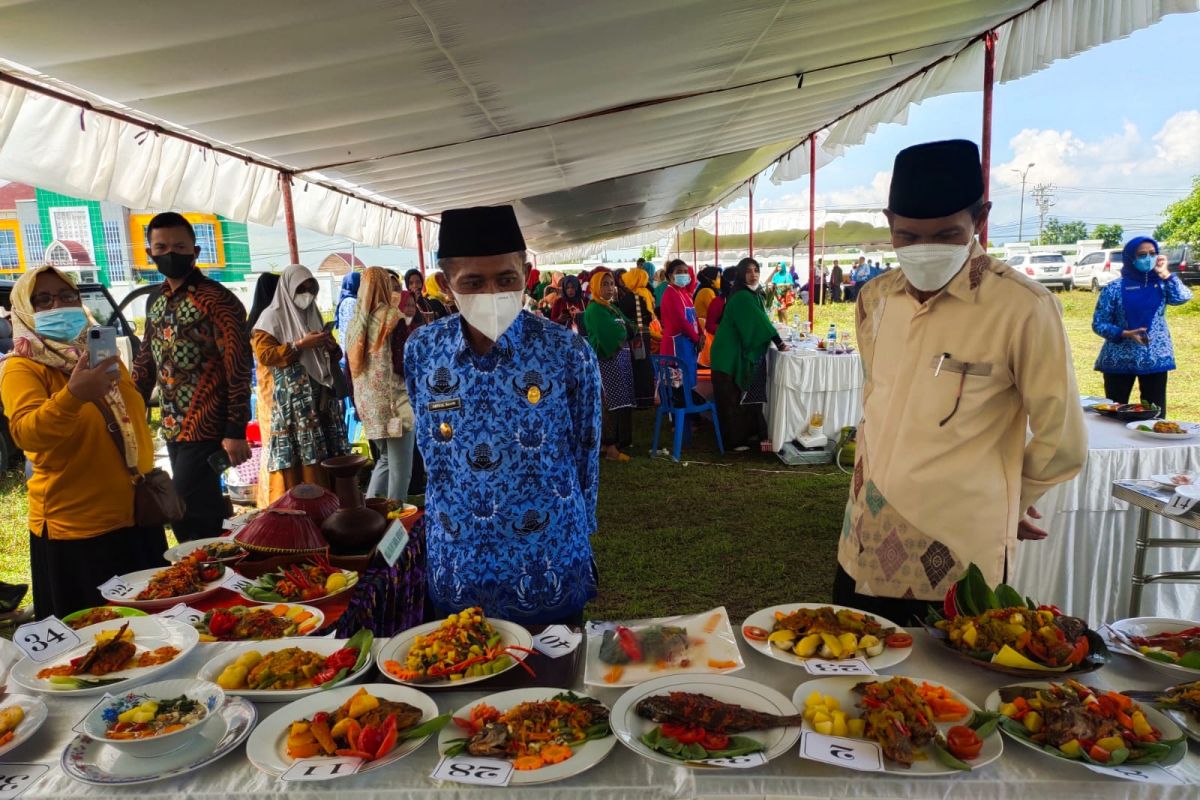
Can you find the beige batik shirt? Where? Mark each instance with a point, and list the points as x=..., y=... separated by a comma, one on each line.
x=936, y=487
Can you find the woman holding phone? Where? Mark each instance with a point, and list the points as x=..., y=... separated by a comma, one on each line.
x=307, y=423
x=81, y=529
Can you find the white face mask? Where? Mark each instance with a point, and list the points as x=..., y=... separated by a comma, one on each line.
x=929, y=267
x=303, y=301
x=490, y=314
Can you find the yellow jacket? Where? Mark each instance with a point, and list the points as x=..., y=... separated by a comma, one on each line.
x=80, y=486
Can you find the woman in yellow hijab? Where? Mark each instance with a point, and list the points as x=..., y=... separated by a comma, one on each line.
x=81, y=521
x=439, y=301
x=608, y=332
x=636, y=302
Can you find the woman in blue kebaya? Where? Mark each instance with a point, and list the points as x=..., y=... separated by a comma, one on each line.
x=1131, y=317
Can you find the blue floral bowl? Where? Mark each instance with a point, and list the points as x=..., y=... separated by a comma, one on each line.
x=106, y=713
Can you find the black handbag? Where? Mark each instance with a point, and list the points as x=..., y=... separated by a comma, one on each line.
x=155, y=501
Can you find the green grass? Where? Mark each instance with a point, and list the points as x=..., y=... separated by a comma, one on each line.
x=740, y=530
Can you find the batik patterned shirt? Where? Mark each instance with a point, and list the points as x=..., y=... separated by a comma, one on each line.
x=198, y=352
x=510, y=442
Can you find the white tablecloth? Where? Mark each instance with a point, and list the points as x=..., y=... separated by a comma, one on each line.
x=801, y=381
x=1086, y=564
x=1018, y=775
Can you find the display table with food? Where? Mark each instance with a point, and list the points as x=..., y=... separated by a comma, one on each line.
x=946, y=726
x=803, y=380
x=1086, y=563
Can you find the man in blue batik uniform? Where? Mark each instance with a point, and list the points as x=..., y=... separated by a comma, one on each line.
x=507, y=410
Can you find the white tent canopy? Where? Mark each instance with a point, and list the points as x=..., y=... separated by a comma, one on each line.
x=596, y=120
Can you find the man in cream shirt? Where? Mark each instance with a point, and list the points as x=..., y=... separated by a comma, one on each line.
x=964, y=357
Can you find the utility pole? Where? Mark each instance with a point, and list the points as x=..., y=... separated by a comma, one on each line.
x=1021, y=221
x=1043, y=198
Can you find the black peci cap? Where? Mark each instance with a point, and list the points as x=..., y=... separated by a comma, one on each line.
x=479, y=231
x=936, y=179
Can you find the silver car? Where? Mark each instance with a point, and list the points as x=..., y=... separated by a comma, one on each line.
x=1096, y=269
x=1048, y=269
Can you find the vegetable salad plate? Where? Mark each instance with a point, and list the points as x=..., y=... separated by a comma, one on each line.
x=1089, y=725
x=283, y=670
x=139, y=582
x=103, y=662
x=462, y=649
x=1172, y=644
x=20, y=717
x=795, y=632
x=567, y=733
x=665, y=720
x=256, y=623
x=277, y=742
x=626, y=653
x=90, y=761
x=925, y=744
x=1165, y=429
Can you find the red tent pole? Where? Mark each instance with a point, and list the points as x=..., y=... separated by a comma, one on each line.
x=289, y=217
x=717, y=238
x=752, y=219
x=421, y=246
x=989, y=79
x=812, y=226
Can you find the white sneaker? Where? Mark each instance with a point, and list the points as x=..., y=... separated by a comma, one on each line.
x=741, y=448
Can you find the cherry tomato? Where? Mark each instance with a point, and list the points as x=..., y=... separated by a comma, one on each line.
x=963, y=742
x=755, y=633
x=899, y=640
x=713, y=742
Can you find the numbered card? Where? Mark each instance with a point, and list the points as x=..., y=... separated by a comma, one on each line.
x=737, y=762
x=858, y=754
x=184, y=613
x=1140, y=773
x=393, y=542
x=16, y=778
x=46, y=639
x=236, y=583
x=846, y=666
x=321, y=769
x=471, y=769
x=115, y=587
x=557, y=640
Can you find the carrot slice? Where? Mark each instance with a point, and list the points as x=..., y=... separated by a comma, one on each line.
x=528, y=762
x=614, y=673
x=555, y=753
x=721, y=664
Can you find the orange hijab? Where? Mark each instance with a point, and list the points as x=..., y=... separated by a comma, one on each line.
x=375, y=317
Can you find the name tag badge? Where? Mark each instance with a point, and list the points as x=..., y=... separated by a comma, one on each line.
x=453, y=404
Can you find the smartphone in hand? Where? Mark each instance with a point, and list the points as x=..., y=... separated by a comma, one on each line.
x=219, y=461
x=102, y=344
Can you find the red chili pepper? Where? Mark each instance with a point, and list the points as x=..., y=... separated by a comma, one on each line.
x=871, y=702
x=221, y=622
x=629, y=643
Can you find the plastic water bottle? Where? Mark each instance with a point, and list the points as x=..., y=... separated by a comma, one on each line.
x=831, y=338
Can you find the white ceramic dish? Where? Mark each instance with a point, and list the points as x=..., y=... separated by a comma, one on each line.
x=842, y=690
x=326, y=647
x=586, y=755
x=267, y=748
x=1176, y=480
x=396, y=649
x=150, y=633
x=266, y=609
x=140, y=579
x=95, y=724
x=1155, y=717
x=89, y=761
x=1190, y=430
x=180, y=550
x=1151, y=626
x=351, y=582
x=629, y=727
x=718, y=645
x=765, y=619
x=35, y=714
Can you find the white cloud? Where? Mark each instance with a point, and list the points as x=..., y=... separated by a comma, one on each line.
x=873, y=195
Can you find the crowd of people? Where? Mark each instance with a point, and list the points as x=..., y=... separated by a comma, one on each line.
x=506, y=386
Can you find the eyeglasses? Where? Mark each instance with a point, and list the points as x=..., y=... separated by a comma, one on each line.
x=44, y=300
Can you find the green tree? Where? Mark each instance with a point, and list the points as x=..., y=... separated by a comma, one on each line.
x=649, y=252
x=1059, y=232
x=1112, y=235
x=1182, y=223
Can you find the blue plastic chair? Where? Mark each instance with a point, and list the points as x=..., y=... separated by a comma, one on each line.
x=663, y=365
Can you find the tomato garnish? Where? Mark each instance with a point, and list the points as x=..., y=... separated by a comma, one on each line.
x=963, y=742
x=682, y=733
x=713, y=742
x=899, y=640
x=755, y=633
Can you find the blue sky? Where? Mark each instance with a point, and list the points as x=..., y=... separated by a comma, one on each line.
x=1116, y=129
